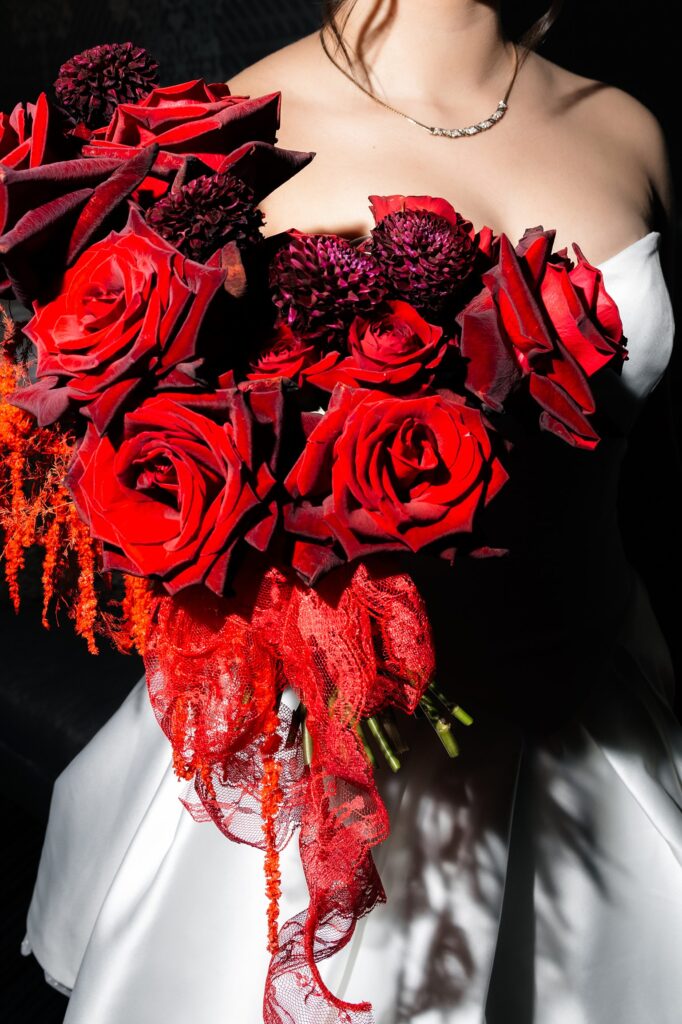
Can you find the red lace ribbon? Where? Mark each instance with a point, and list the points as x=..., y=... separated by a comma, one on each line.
x=216, y=668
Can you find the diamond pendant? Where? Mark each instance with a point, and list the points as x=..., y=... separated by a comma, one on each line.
x=473, y=129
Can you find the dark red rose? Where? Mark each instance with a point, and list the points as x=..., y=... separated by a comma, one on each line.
x=571, y=291
x=201, y=122
x=288, y=355
x=23, y=134
x=487, y=249
x=542, y=320
x=130, y=309
x=194, y=117
x=49, y=214
x=380, y=473
x=393, y=347
x=191, y=478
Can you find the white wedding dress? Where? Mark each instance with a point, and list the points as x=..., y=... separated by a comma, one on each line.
x=537, y=878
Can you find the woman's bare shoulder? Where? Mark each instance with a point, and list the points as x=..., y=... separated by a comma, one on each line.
x=628, y=131
x=640, y=132
x=287, y=70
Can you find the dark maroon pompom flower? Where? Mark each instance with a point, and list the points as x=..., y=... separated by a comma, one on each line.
x=321, y=282
x=426, y=254
x=92, y=84
x=205, y=214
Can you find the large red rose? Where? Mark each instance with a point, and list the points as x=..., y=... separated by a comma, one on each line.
x=205, y=122
x=380, y=473
x=543, y=320
x=194, y=117
x=199, y=121
x=191, y=478
x=23, y=134
x=394, y=347
x=49, y=214
x=130, y=309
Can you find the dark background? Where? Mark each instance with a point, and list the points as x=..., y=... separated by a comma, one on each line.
x=53, y=696
x=623, y=42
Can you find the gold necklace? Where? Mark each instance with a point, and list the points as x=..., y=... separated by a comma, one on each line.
x=451, y=133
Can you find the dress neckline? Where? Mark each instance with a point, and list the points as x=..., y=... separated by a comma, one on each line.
x=649, y=237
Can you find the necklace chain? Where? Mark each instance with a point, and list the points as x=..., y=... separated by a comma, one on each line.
x=451, y=133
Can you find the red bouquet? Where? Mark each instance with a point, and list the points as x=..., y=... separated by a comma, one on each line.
x=258, y=433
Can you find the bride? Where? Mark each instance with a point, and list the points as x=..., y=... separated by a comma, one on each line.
x=538, y=877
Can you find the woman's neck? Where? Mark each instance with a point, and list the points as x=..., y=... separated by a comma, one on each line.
x=431, y=51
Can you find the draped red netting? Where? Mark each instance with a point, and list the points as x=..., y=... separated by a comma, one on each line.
x=216, y=670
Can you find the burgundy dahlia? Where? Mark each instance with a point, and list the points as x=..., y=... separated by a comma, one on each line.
x=92, y=84
x=426, y=256
x=205, y=214
x=321, y=282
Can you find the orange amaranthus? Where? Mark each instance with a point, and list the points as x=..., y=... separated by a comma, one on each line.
x=37, y=509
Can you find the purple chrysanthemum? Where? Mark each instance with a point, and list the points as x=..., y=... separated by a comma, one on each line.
x=425, y=256
x=92, y=83
x=320, y=282
x=208, y=212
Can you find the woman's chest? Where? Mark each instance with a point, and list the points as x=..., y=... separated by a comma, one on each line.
x=517, y=175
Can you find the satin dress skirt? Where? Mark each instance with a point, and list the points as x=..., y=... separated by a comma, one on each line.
x=528, y=882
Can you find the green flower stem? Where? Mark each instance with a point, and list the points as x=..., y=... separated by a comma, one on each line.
x=307, y=745
x=461, y=715
x=458, y=712
x=391, y=728
x=442, y=727
x=377, y=731
x=444, y=733
x=368, y=750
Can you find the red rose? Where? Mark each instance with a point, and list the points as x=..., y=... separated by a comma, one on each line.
x=194, y=119
x=288, y=355
x=130, y=309
x=23, y=134
x=380, y=473
x=540, y=318
x=204, y=121
x=393, y=347
x=191, y=477
x=48, y=215
x=569, y=292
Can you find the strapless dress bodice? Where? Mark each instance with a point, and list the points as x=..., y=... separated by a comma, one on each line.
x=634, y=279
x=528, y=632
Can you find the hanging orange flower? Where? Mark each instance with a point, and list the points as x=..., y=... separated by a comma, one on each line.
x=138, y=607
x=35, y=506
